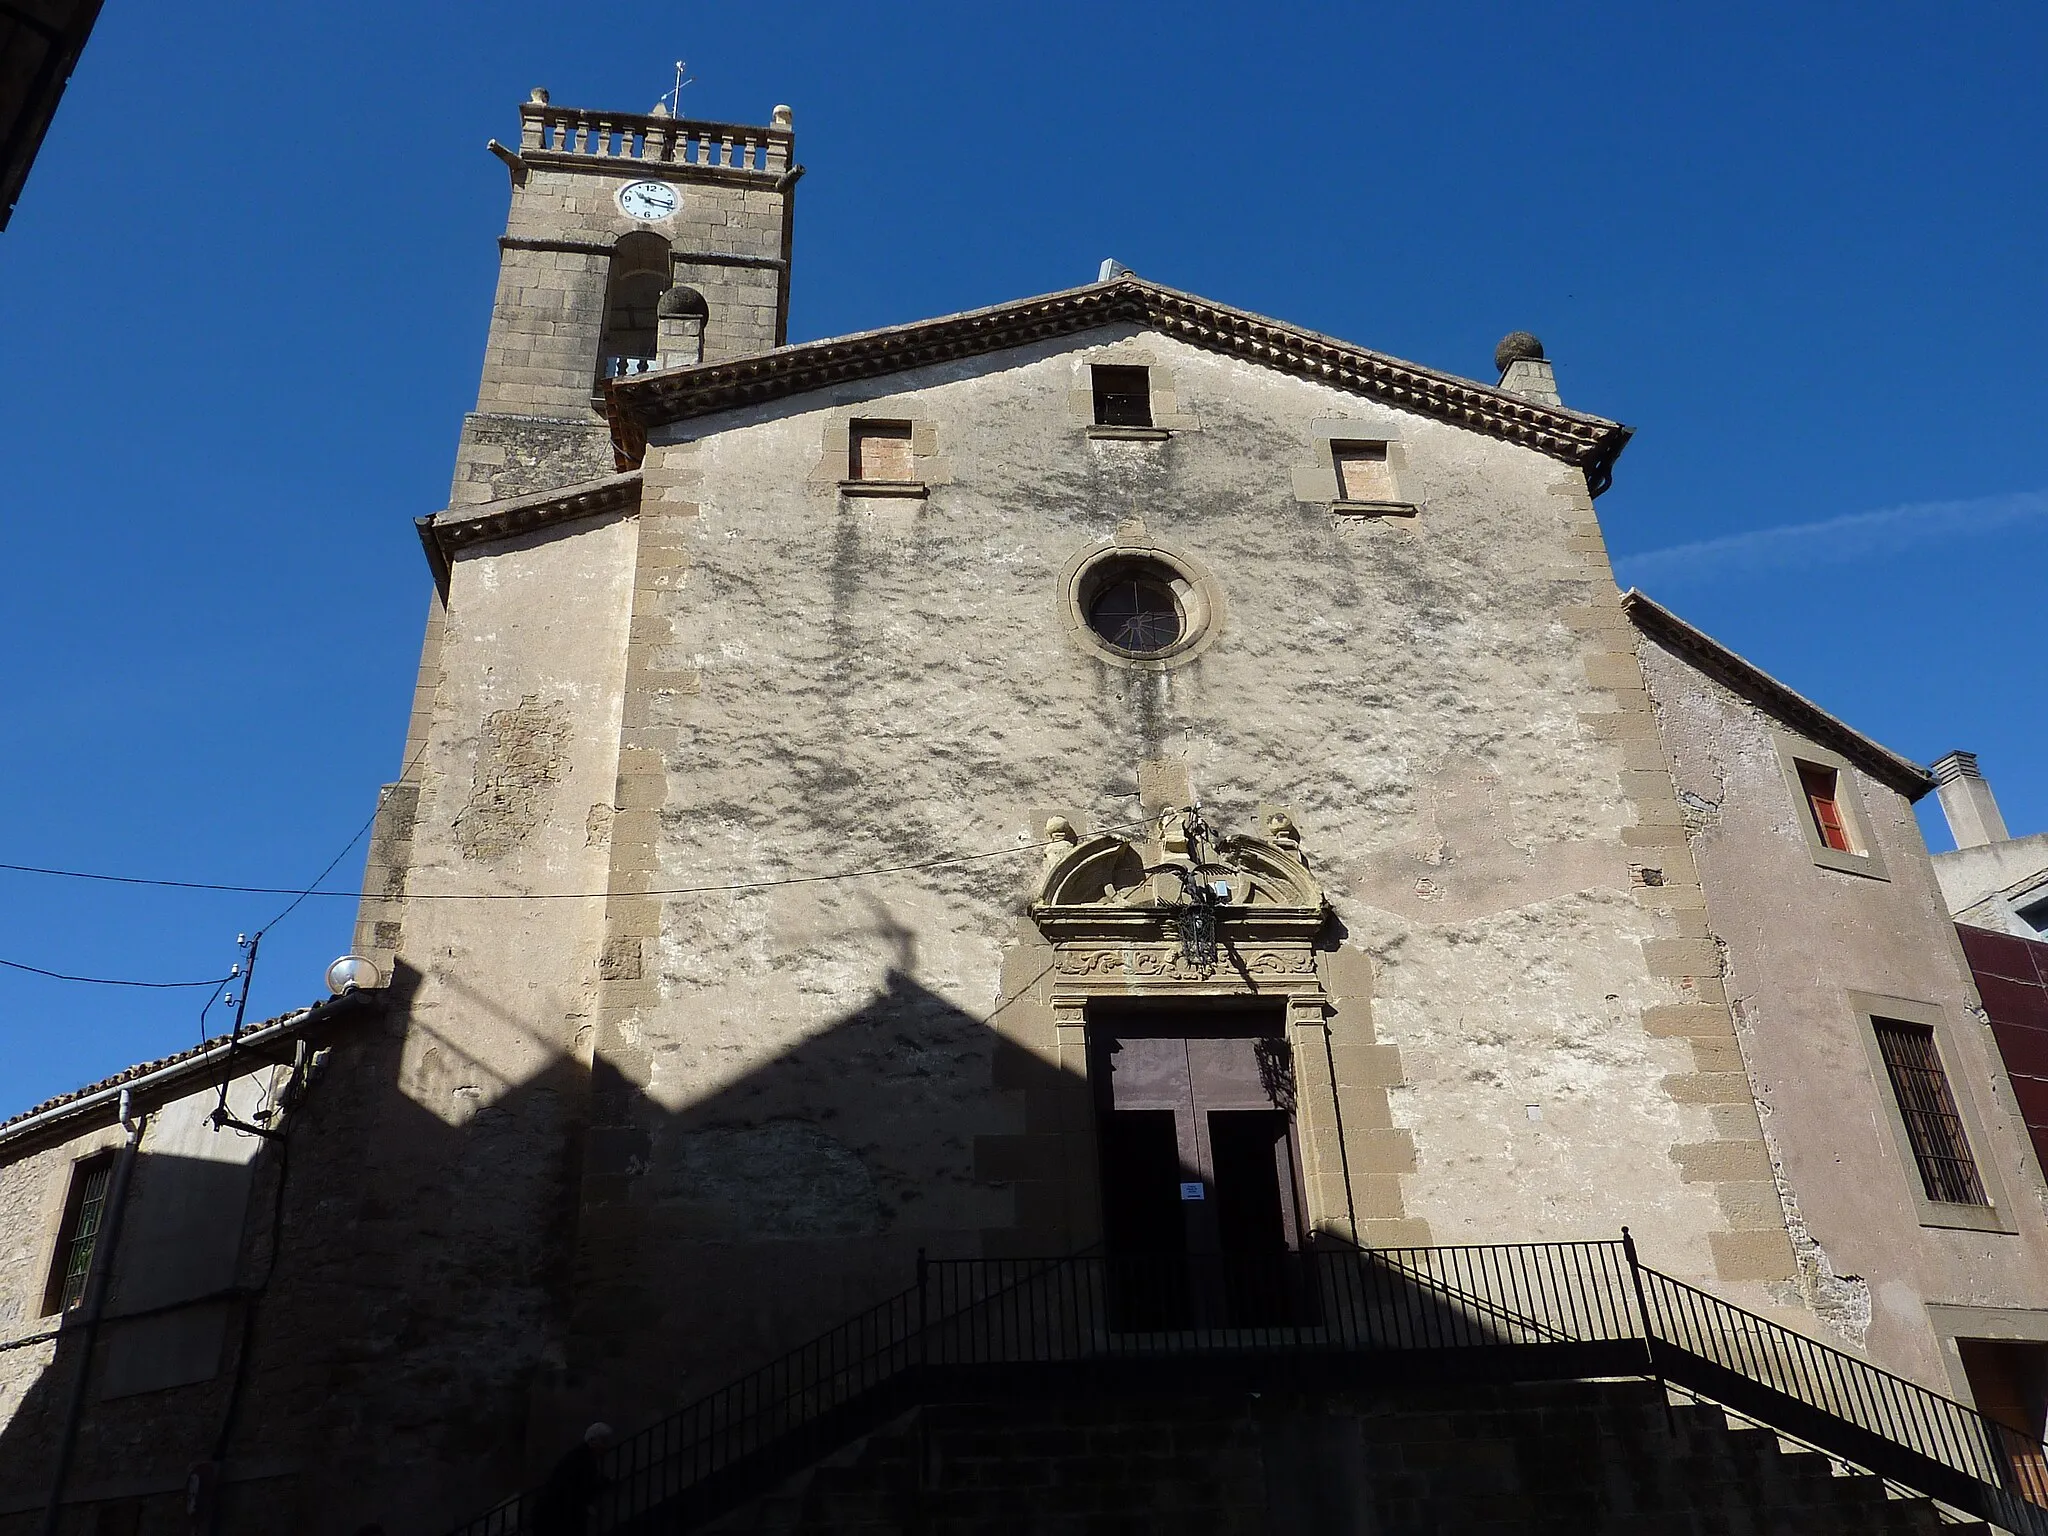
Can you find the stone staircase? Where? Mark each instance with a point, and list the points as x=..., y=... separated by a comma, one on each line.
x=1589, y=1458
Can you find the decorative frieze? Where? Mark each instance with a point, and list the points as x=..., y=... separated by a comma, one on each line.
x=1163, y=962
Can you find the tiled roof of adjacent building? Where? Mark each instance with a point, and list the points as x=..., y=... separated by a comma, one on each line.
x=642, y=402
x=165, y=1071
x=1765, y=691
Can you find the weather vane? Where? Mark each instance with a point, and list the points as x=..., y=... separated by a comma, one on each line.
x=675, y=96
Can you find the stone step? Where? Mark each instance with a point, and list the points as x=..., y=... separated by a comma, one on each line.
x=1605, y=1459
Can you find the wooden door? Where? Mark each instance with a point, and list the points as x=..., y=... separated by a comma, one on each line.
x=2009, y=1379
x=1199, y=1165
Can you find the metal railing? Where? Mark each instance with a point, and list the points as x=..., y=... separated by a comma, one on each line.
x=1844, y=1404
x=1330, y=1317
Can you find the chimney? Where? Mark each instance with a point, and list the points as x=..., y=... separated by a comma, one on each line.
x=1524, y=370
x=1967, y=802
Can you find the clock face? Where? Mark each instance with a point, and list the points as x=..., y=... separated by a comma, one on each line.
x=647, y=199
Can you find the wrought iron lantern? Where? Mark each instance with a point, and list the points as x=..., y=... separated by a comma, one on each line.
x=1195, y=914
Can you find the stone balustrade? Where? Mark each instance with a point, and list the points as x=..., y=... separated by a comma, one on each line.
x=652, y=140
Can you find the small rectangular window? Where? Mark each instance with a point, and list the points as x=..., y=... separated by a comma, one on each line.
x=84, y=1206
x=1123, y=397
x=1934, y=1127
x=880, y=450
x=1363, y=473
x=1824, y=804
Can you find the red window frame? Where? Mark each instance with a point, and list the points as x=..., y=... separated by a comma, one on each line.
x=1822, y=787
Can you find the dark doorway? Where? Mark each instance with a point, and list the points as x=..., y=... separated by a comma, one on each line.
x=2009, y=1380
x=1252, y=1153
x=1143, y=1226
x=1200, y=1188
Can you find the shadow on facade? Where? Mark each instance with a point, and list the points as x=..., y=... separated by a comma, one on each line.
x=449, y=1303
x=431, y=1300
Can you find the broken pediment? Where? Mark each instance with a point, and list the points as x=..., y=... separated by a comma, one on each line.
x=1110, y=884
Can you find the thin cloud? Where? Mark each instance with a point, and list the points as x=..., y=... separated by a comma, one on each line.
x=1833, y=541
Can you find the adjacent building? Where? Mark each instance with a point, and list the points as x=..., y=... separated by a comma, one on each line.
x=1990, y=879
x=40, y=41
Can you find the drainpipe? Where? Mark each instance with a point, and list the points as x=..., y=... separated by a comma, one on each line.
x=94, y=1303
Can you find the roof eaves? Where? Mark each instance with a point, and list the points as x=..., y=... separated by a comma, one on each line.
x=644, y=401
x=1790, y=706
x=154, y=1078
x=447, y=533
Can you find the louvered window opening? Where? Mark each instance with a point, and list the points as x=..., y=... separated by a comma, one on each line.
x=1933, y=1126
x=85, y=1231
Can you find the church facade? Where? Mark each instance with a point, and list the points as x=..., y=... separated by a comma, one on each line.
x=1108, y=773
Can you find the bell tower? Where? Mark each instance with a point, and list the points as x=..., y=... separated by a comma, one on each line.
x=633, y=242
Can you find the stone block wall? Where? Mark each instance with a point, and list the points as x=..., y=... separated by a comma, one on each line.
x=538, y=422
x=1589, y=1459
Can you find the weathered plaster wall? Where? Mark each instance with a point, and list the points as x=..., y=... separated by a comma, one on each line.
x=1796, y=940
x=444, y=1255
x=808, y=1072
x=155, y=1384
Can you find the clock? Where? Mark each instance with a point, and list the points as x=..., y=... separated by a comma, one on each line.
x=648, y=199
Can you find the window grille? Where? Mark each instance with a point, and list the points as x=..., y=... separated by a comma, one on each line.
x=87, y=1205
x=1123, y=397
x=1824, y=804
x=1933, y=1125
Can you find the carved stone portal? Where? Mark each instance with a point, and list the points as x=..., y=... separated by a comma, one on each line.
x=1110, y=905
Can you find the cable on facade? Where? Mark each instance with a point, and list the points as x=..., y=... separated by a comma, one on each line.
x=368, y=822
x=299, y=895
x=680, y=890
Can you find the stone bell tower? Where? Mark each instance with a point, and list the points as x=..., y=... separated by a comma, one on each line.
x=633, y=241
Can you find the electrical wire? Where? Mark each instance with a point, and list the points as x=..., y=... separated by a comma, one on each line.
x=679, y=890
x=216, y=982
x=368, y=822
x=220, y=983
x=210, y=1001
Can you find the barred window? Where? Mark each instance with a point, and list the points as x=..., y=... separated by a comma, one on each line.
x=1933, y=1125
x=83, y=1209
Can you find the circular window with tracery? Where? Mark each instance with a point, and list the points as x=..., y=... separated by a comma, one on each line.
x=1141, y=606
x=1137, y=612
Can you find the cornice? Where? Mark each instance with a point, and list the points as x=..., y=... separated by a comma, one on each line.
x=1760, y=688
x=447, y=533
x=601, y=248
x=639, y=404
x=652, y=170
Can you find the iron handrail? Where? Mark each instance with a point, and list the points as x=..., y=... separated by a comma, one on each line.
x=1341, y=1316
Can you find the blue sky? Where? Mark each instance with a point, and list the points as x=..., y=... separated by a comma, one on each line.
x=242, y=306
